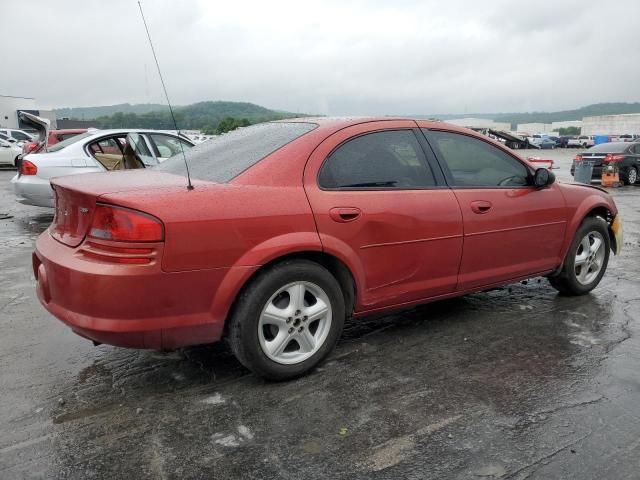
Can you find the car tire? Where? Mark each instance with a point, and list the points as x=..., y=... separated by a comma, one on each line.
x=630, y=176
x=585, y=263
x=276, y=329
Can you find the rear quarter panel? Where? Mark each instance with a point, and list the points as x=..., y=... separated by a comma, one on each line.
x=221, y=226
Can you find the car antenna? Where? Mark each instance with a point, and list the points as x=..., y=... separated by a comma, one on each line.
x=175, y=124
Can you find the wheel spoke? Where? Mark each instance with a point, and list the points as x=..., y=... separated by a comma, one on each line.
x=584, y=270
x=597, y=243
x=278, y=344
x=306, y=341
x=316, y=311
x=273, y=315
x=581, y=259
x=296, y=295
x=586, y=245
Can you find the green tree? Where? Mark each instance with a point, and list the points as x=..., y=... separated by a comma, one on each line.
x=569, y=131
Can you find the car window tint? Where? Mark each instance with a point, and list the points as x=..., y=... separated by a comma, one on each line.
x=167, y=145
x=391, y=159
x=475, y=163
x=223, y=158
x=636, y=149
x=20, y=135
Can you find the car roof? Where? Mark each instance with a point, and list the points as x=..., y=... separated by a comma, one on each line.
x=338, y=123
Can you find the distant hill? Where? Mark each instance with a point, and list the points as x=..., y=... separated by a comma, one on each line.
x=91, y=113
x=201, y=115
x=548, y=117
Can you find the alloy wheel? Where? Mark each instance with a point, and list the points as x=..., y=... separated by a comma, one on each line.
x=589, y=257
x=294, y=323
x=632, y=176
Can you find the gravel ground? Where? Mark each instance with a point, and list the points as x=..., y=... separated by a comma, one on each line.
x=513, y=383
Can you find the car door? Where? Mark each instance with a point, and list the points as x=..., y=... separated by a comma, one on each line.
x=511, y=228
x=166, y=146
x=7, y=153
x=381, y=209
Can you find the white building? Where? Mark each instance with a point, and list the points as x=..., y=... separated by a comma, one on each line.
x=534, y=127
x=480, y=123
x=10, y=106
x=611, y=124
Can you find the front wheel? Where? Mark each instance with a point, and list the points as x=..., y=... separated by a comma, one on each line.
x=586, y=260
x=287, y=320
x=631, y=176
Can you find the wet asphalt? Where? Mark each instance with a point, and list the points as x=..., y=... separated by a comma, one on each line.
x=513, y=383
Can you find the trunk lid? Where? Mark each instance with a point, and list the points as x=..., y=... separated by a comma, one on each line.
x=76, y=197
x=41, y=125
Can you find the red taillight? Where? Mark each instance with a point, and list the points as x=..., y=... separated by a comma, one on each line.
x=578, y=158
x=28, y=168
x=125, y=225
x=613, y=158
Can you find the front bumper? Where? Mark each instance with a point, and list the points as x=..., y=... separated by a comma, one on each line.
x=616, y=228
x=138, y=306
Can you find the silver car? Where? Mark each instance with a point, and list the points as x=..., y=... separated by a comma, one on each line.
x=90, y=152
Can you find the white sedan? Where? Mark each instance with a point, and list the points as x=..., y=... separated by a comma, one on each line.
x=9, y=151
x=90, y=152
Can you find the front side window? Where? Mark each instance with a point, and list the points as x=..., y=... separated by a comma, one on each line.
x=168, y=146
x=391, y=159
x=474, y=163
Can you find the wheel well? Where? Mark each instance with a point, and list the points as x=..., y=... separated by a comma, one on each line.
x=335, y=266
x=605, y=214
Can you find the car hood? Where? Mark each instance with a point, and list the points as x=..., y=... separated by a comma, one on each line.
x=578, y=184
x=41, y=125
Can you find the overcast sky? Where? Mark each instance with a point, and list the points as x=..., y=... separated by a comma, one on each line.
x=329, y=57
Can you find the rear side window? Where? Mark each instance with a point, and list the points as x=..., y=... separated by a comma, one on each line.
x=223, y=158
x=474, y=163
x=391, y=159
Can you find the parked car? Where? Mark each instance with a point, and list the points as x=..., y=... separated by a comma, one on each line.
x=563, y=140
x=624, y=155
x=90, y=152
x=292, y=226
x=547, y=144
x=8, y=152
x=18, y=135
x=53, y=137
x=583, y=141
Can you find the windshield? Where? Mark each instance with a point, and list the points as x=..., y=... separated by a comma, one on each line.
x=223, y=158
x=615, y=147
x=69, y=141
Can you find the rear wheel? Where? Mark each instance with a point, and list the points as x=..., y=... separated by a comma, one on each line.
x=287, y=320
x=586, y=260
x=630, y=176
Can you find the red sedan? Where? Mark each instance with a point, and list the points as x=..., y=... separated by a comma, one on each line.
x=293, y=226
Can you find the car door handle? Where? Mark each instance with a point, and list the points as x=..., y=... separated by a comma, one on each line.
x=344, y=214
x=481, y=206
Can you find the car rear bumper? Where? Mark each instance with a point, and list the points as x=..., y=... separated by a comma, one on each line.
x=32, y=190
x=139, y=306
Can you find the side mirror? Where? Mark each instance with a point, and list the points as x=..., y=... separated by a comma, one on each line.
x=543, y=177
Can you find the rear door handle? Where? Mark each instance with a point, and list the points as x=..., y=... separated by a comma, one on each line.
x=481, y=206
x=344, y=214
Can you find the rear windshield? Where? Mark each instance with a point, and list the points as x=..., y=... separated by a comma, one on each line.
x=69, y=141
x=614, y=147
x=223, y=158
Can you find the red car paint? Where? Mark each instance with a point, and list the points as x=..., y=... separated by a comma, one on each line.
x=402, y=247
x=55, y=136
